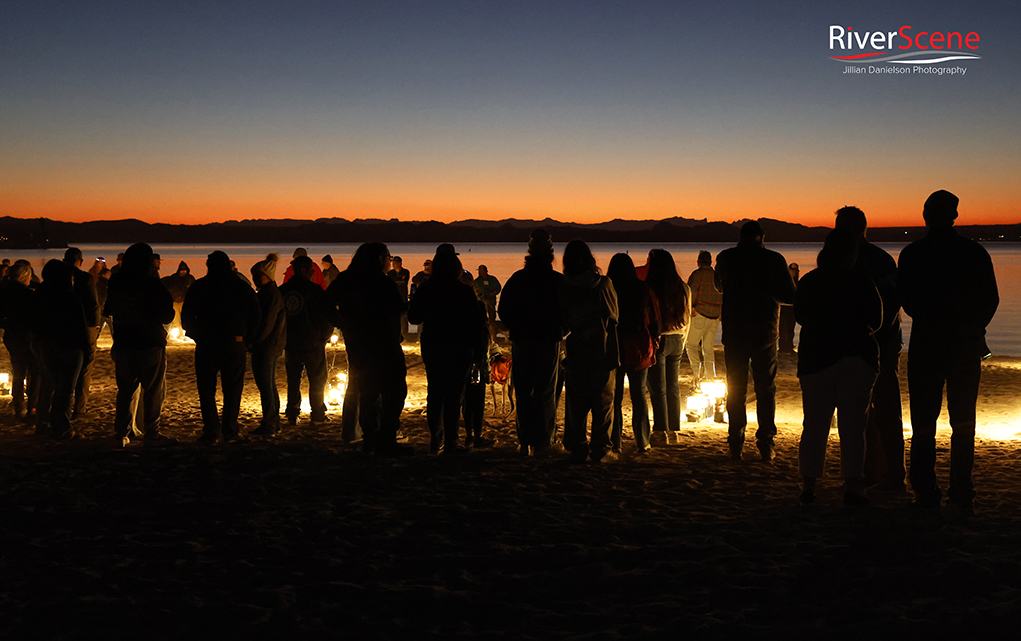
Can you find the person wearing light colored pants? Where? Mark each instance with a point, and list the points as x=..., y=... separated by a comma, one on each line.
x=702, y=331
x=847, y=387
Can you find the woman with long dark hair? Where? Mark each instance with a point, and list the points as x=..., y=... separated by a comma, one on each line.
x=637, y=335
x=674, y=299
x=588, y=303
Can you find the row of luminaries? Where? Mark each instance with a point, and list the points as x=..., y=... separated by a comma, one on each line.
x=632, y=322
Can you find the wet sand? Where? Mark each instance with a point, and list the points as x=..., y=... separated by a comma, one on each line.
x=299, y=534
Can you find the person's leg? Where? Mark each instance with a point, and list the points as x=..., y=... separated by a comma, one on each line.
x=709, y=347
x=764, y=374
x=317, y=373
x=618, y=410
x=639, y=408
x=962, y=395
x=692, y=345
x=657, y=389
x=453, y=398
x=736, y=359
x=206, y=371
x=577, y=403
x=232, y=378
x=84, y=382
x=926, y=376
x=602, y=412
x=294, y=367
x=854, y=394
x=127, y=383
x=885, y=415
x=153, y=378
x=394, y=391
x=66, y=367
x=818, y=400
x=20, y=357
x=528, y=416
x=265, y=382
x=350, y=429
x=434, y=377
x=673, y=383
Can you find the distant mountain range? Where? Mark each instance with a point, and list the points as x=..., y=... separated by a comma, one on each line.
x=20, y=233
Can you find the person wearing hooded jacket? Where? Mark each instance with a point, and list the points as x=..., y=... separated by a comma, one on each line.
x=221, y=314
x=308, y=330
x=63, y=339
x=177, y=284
x=453, y=332
x=269, y=342
x=140, y=307
x=588, y=304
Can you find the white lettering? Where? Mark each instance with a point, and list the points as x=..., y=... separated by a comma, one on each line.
x=836, y=33
x=881, y=44
x=862, y=39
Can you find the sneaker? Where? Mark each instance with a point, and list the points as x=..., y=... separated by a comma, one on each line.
x=482, y=441
x=207, y=439
x=264, y=430
x=523, y=450
x=766, y=452
x=318, y=419
x=234, y=437
x=292, y=420
x=735, y=453
x=606, y=457
x=158, y=440
x=121, y=441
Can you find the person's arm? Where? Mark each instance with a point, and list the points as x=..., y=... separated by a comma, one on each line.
x=163, y=305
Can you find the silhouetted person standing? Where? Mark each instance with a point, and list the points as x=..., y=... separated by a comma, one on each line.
x=178, y=284
x=365, y=304
x=85, y=290
x=62, y=337
x=754, y=281
x=706, y=305
x=884, y=455
x=269, y=342
x=308, y=331
x=17, y=303
x=674, y=298
x=839, y=309
x=529, y=307
x=948, y=287
x=402, y=277
x=221, y=314
x=330, y=271
x=453, y=332
x=140, y=307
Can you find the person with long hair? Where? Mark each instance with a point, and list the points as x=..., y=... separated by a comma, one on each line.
x=839, y=310
x=453, y=332
x=588, y=304
x=637, y=335
x=674, y=298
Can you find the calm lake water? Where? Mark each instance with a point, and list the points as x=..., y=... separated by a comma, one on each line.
x=503, y=259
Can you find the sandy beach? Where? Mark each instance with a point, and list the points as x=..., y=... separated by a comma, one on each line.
x=298, y=534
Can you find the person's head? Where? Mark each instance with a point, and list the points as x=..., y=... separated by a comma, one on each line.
x=446, y=247
x=218, y=262
x=265, y=271
x=621, y=269
x=668, y=287
x=303, y=265
x=578, y=258
x=370, y=257
x=483, y=271
x=73, y=257
x=446, y=266
x=940, y=209
x=300, y=251
x=156, y=262
x=705, y=259
x=540, y=246
x=840, y=250
x=795, y=271
x=233, y=266
x=136, y=260
x=852, y=219
x=183, y=269
x=327, y=262
x=20, y=272
x=751, y=232
x=6, y=262
x=120, y=258
x=57, y=275
x=397, y=262
x=427, y=266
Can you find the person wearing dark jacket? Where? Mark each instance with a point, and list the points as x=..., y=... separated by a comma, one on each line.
x=18, y=305
x=63, y=339
x=85, y=290
x=140, y=307
x=839, y=310
x=317, y=277
x=177, y=284
x=637, y=333
x=330, y=271
x=588, y=305
x=453, y=332
x=754, y=282
x=221, y=314
x=308, y=331
x=530, y=308
x=948, y=287
x=269, y=342
x=365, y=304
x=884, y=452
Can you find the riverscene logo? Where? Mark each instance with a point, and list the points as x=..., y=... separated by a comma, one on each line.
x=905, y=46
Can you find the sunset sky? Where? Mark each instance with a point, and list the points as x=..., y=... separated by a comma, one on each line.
x=581, y=111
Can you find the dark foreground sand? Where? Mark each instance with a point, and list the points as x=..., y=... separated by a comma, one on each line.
x=297, y=536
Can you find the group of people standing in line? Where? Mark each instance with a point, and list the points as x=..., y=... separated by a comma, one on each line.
x=578, y=330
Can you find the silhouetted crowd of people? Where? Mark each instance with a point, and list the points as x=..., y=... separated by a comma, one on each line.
x=577, y=331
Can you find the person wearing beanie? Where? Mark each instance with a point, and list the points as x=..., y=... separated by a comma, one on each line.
x=317, y=276
x=948, y=287
x=330, y=270
x=221, y=314
x=140, y=306
x=269, y=342
x=530, y=308
x=308, y=331
x=177, y=284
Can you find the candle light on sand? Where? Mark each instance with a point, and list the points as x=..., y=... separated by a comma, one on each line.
x=335, y=389
x=5, y=384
